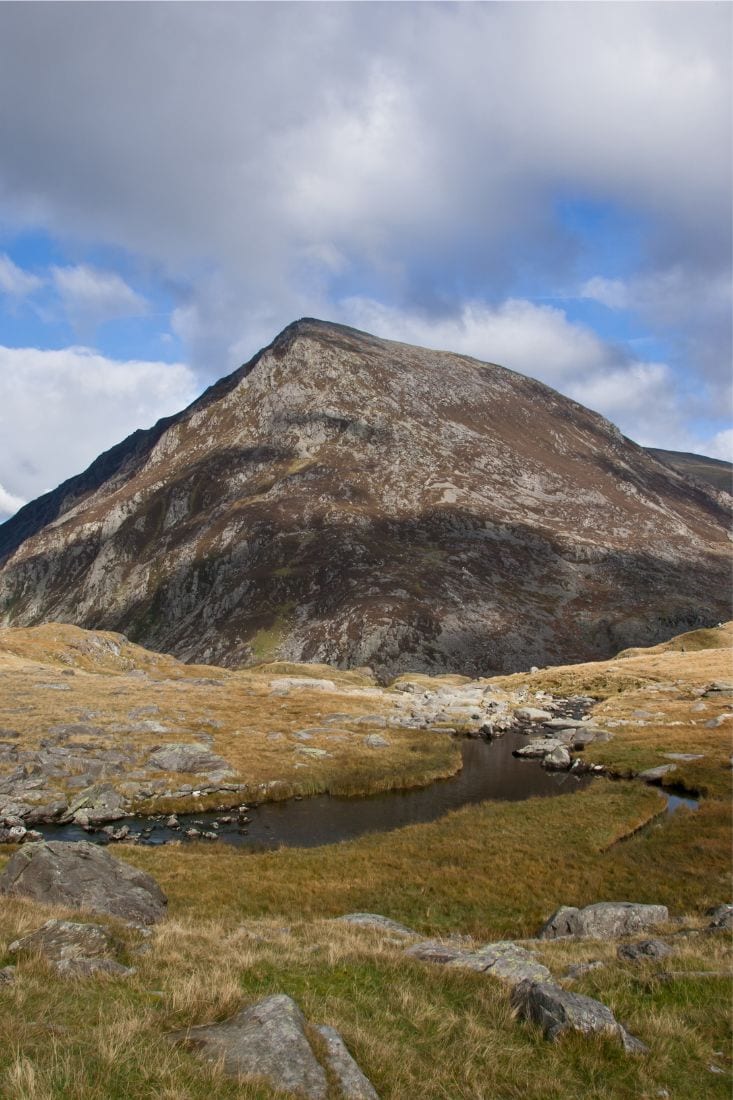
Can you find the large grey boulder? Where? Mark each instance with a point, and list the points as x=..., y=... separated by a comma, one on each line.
x=65, y=939
x=351, y=1081
x=505, y=960
x=604, y=920
x=558, y=1011
x=267, y=1040
x=83, y=876
x=101, y=802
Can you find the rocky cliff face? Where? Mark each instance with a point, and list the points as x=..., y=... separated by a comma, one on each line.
x=355, y=501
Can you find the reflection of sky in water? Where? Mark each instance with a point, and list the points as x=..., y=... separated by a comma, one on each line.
x=489, y=772
x=674, y=801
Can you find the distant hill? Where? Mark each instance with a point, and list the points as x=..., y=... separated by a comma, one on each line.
x=355, y=501
x=714, y=471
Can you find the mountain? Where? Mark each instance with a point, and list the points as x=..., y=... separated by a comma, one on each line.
x=713, y=471
x=356, y=501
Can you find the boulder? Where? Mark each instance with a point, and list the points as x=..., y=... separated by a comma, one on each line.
x=558, y=1011
x=722, y=918
x=267, y=1040
x=558, y=760
x=375, y=741
x=505, y=960
x=604, y=920
x=645, y=949
x=190, y=757
x=538, y=749
x=377, y=922
x=532, y=714
x=351, y=1081
x=98, y=803
x=83, y=876
x=64, y=939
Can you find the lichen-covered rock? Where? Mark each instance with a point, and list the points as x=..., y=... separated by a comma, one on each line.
x=505, y=960
x=558, y=1011
x=92, y=968
x=64, y=939
x=377, y=922
x=603, y=920
x=644, y=950
x=191, y=757
x=267, y=1040
x=83, y=876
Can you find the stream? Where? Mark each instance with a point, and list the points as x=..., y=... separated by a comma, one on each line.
x=489, y=772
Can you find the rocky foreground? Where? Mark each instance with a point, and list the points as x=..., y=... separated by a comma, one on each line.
x=355, y=501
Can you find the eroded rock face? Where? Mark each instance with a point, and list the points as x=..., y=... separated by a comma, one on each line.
x=356, y=501
x=83, y=876
x=604, y=920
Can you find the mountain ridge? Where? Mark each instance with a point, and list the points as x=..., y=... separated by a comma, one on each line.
x=354, y=500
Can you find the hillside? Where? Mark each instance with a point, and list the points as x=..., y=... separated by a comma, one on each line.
x=353, y=501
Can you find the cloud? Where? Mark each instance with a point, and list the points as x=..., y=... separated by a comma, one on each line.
x=9, y=503
x=721, y=445
x=16, y=282
x=91, y=297
x=60, y=409
x=411, y=152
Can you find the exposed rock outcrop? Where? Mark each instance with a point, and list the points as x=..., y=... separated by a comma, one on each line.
x=603, y=920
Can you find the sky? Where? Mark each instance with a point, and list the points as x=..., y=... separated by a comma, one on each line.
x=542, y=185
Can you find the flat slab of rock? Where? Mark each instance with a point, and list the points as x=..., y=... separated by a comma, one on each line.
x=64, y=939
x=651, y=775
x=83, y=876
x=532, y=714
x=539, y=749
x=558, y=1011
x=604, y=920
x=377, y=922
x=267, y=1040
x=351, y=1081
x=505, y=960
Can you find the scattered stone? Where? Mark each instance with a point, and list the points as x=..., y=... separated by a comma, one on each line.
x=376, y=921
x=188, y=758
x=722, y=918
x=91, y=968
x=684, y=756
x=505, y=960
x=267, y=1040
x=538, y=749
x=579, y=969
x=351, y=1081
x=559, y=760
x=604, y=920
x=564, y=724
x=557, y=1011
x=306, y=750
x=63, y=939
x=645, y=949
x=721, y=720
x=719, y=687
x=98, y=803
x=651, y=775
x=284, y=683
x=376, y=741
x=7, y=975
x=82, y=876
x=532, y=714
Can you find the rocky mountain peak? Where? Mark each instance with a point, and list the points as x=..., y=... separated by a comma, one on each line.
x=352, y=500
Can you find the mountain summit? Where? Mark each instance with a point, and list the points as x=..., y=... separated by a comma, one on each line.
x=352, y=500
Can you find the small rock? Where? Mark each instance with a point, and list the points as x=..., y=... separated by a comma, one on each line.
x=579, y=969
x=91, y=968
x=558, y=760
x=651, y=775
x=375, y=741
x=722, y=918
x=378, y=922
x=63, y=939
x=557, y=1011
x=532, y=714
x=645, y=949
x=7, y=975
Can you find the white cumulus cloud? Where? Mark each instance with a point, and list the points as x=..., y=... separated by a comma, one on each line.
x=90, y=297
x=16, y=282
x=60, y=409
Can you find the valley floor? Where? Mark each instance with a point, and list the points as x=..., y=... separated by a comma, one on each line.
x=243, y=925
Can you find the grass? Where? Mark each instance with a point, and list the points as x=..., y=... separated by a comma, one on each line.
x=246, y=924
